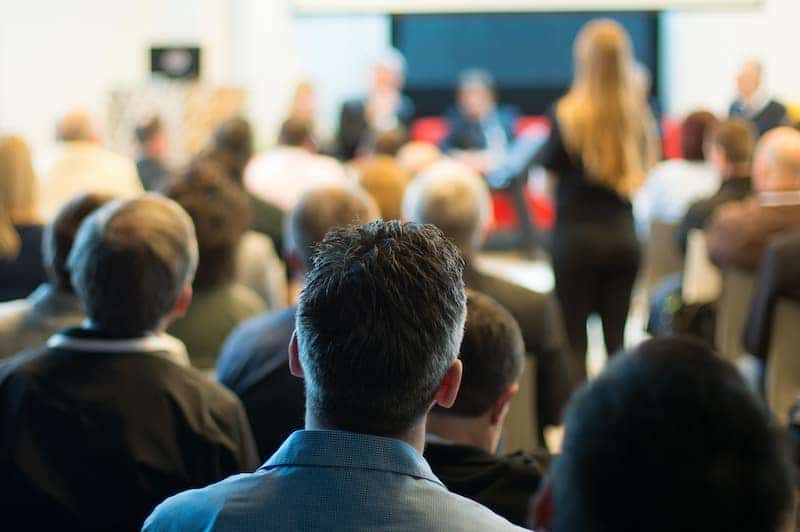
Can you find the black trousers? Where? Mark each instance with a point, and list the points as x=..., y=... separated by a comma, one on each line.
x=595, y=270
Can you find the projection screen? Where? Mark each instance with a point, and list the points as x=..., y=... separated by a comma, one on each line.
x=488, y=6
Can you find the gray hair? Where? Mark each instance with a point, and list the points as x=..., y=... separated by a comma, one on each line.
x=453, y=197
x=130, y=262
x=391, y=59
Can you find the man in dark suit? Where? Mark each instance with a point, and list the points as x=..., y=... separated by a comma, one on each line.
x=462, y=441
x=451, y=196
x=777, y=278
x=101, y=424
x=740, y=231
x=151, y=138
x=753, y=104
x=480, y=130
x=254, y=362
x=383, y=109
x=731, y=153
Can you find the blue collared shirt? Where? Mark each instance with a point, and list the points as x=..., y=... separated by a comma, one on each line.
x=329, y=480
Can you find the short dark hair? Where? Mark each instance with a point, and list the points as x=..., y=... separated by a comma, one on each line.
x=295, y=132
x=476, y=76
x=130, y=261
x=221, y=214
x=492, y=353
x=379, y=324
x=60, y=234
x=693, y=134
x=147, y=129
x=736, y=138
x=670, y=438
x=232, y=146
x=322, y=209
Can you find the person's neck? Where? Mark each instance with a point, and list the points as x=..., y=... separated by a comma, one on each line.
x=414, y=436
x=24, y=217
x=472, y=431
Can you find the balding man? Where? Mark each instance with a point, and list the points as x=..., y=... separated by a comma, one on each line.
x=102, y=424
x=80, y=165
x=740, y=231
x=254, y=361
x=453, y=197
x=752, y=101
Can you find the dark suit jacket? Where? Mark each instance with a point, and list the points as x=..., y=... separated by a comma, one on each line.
x=698, y=214
x=771, y=116
x=504, y=484
x=254, y=363
x=95, y=440
x=466, y=134
x=353, y=127
x=778, y=277
x=739, y=232
x=539, y=318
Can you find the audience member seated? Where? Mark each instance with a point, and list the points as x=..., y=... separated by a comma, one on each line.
x=463, y=439
x=668, y=438
x=480, y=130
x=739, y=232
x=379, y=324
x=386, y=182
x=731, y=153
x=753, y=103
x=416, y=156
x=777, y=278
x=220, y=214
x=383, y=109
x=451, y=196
x=100, y=425
x=80, y=165
x=21, y=269
x=27, y=323
x=232, y=147
x=283, y=174
x=152, y=143
x=254, y=361
x=671, y=186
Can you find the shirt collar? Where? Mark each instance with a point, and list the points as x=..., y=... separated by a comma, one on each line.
x=49, y=300
x=335, y=448
x=89, y=341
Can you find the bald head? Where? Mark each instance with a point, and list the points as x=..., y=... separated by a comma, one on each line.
x=453, y=197
x=777, y=161
x=322, y=209
x=76, y=125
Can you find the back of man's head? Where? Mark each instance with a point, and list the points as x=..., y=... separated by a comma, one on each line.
x=60, y=234
x=694, y=129
x=735, y=138
x=386, y=182
x=130, y=263
x=297, y=133
x=379, y=324
x=320, y=210
x=454, y=198
x=76, y=125
x=669, y=438
x=492, y=353
x=776, y=166
x=221, y=214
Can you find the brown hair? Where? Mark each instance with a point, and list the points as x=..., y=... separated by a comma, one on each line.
x=736, y=138
x=605, y=122
x=694, y=130
x=386, y=182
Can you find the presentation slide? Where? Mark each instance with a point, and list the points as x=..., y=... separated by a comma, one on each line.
x=488, y=6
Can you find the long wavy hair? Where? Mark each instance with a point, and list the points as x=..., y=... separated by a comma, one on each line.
x=605, y=121
x=17, y=192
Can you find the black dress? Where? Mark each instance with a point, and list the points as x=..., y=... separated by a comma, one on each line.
x=594, y=250
x=21, y=276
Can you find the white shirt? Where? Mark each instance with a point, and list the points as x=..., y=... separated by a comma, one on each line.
x=669, y=189
x=84, y=167
x=282, y=175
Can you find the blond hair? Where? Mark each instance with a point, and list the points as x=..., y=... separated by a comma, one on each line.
x=386, y=182
x=17, y=192
x=605, y=121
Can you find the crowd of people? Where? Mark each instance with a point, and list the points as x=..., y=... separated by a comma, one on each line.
x=303, y=339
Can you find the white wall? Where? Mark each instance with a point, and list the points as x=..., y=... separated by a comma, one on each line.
x=702, y=52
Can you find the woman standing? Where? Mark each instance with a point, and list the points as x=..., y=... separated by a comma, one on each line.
x=21, y=267
x=601, y=144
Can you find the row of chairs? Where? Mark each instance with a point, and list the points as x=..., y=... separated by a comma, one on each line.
x=733, y=290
